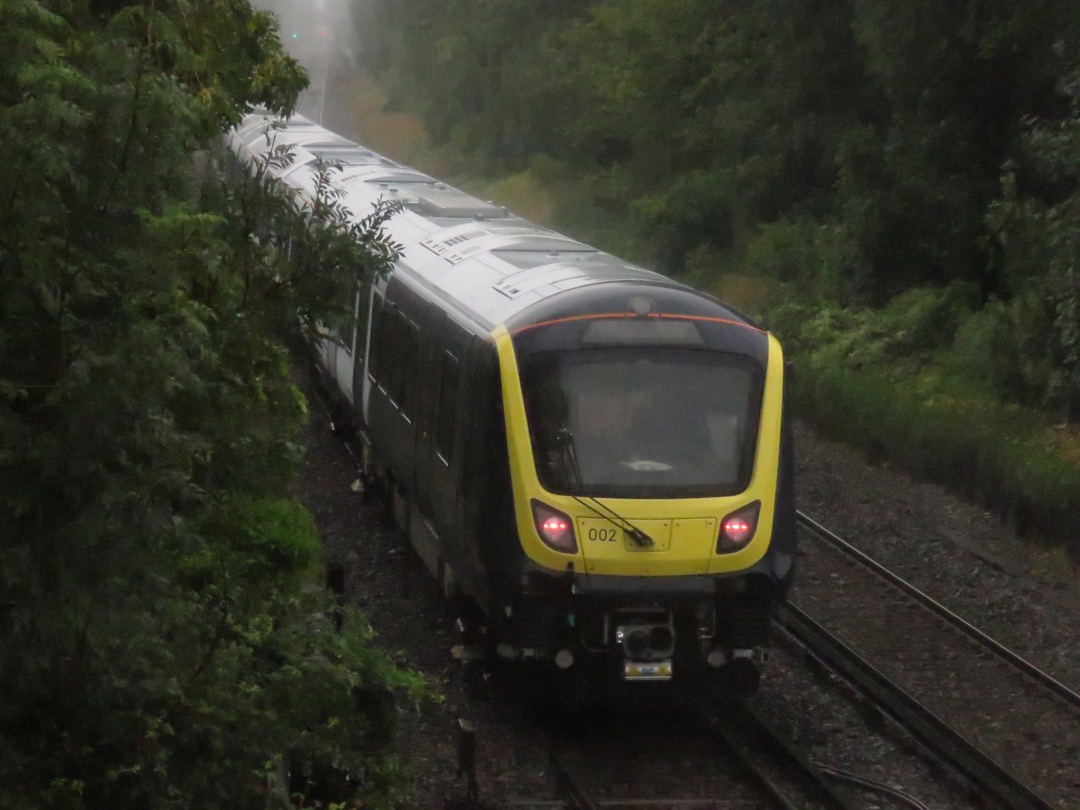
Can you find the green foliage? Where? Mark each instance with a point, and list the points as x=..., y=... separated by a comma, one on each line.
x=954, y=83
x=164, y=640
x=819, y=259
x=913, y=329
x=999, y=457
x=932, y=384
x=478, y=70
x=886, y=121
x=253, y=539
x=985, y=351
x=693, y=211
x=1039, y=239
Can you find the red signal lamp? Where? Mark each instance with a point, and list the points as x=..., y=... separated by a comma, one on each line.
x=554, y=528
x=737, y=529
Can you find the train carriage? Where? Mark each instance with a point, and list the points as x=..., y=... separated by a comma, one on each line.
x=591, y=456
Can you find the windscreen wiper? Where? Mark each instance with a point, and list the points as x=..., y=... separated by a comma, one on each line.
x=564, y=439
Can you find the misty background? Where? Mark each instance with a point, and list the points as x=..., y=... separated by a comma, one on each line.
x=322, y=35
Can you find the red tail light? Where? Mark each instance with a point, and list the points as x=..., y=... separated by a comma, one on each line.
x=737, y=529
x=554, y=528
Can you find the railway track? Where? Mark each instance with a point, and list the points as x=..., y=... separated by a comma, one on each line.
x=680, y=757
x=758, y=768
x=617, y=764
x=751, y=764
x=783, y=773
x=1012, y=729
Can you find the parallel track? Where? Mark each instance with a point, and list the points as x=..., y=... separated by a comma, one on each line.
x=1007, y=725
x=780, y=775
x=785, y=776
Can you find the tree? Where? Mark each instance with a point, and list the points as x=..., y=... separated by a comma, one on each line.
x=957, y=80
x=1037, y=226
x=714, y=117
x=163, y=633
x=480, y=72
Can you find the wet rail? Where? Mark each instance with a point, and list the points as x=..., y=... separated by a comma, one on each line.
x=741, y=761
x=1012, y=729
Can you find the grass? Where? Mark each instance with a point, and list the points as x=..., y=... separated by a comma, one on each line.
x=1013, y=461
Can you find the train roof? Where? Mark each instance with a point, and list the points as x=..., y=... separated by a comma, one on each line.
x=478, y=257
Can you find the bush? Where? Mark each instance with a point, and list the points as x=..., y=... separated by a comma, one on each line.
x=911, y=329
x=696, y=208
x=985, y=352
x=819, y=257
x=164, y=639
x=255, y=538
x=925, y=319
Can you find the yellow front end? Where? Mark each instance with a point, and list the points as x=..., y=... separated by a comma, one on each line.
x=674, y=537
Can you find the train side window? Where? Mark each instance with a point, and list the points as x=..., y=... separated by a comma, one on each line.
x=395, y=373
x=378, y=338
x=444, y=427
x=428, y=382
x=361, y=322
x=350, y=304
x=409, y=357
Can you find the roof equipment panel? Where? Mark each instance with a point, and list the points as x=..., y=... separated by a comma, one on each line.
x=441, y=200
x=459, y=243
x=382, y=174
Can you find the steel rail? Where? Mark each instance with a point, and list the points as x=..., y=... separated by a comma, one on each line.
x=740, y=720
x=569, y=787
x=321, y=398
x=871, y=785
x=1044, y=679
x=987, y=775
x=743, y=731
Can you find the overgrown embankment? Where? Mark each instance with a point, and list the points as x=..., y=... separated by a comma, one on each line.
x=921, y=411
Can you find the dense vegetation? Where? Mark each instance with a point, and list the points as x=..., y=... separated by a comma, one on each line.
x=165, y=636
x=892, y=185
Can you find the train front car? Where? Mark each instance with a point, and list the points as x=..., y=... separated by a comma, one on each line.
x=592, y=461
x=652, y=482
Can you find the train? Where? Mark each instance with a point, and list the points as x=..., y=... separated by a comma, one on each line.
x=592, y=460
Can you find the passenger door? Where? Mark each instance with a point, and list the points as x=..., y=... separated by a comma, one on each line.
x=438, y=456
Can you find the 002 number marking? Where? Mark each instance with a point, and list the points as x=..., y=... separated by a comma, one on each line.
x=604, y=535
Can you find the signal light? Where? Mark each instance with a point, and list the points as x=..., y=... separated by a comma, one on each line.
x=737, y=529
x=554, y=528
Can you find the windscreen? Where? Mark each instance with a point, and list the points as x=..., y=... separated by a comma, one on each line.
x=643, y=422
